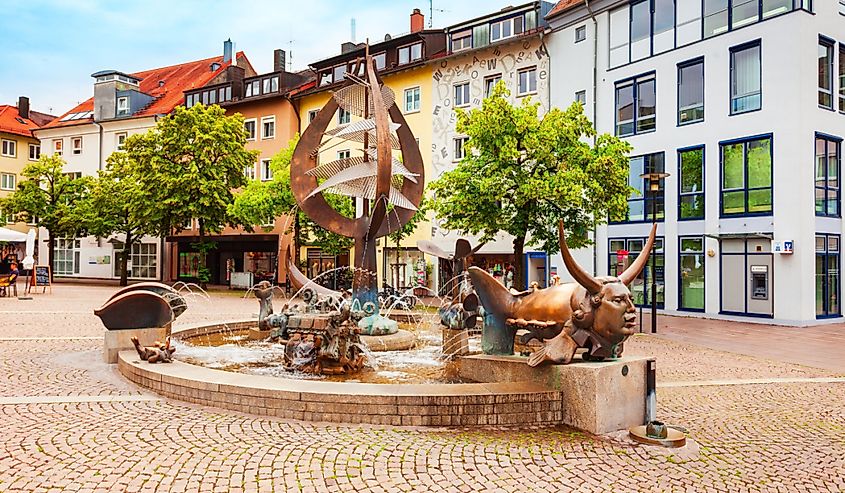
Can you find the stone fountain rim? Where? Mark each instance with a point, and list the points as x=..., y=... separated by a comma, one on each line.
x=461, y=404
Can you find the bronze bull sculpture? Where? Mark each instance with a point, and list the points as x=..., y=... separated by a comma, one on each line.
x=596, y=313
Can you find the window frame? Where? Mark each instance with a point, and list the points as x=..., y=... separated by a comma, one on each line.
x=264, y=121
x=837, y=141
x=254, y=133
x=418, y=99
x=466, y=34
x=745, y=189
x=125, y=111
x=58, y=147
x=581, y=97
x=681, y=254
x=644, y=198
x=490, y=82
x=530, y=91
x=37, y=147
x=680, y=67
x=645, y=274
x=459, y=156
x=502, y=22
x=680, y=181
x=73, y=148
x=757, y=43
x=830, y=45
x=841, y=76
x=635, y=82
x=340, y=116
x=312, y=114
x=5, y=178
x=464, y=92
x=582, y=31
x=409, y=47
x=9, y=148
x=264, y=169
x=826, y=254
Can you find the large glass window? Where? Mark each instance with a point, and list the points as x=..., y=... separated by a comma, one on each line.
x=691, y=261
x=827, y=176
x=775, y=7
x=688, y=22
x=141, y=263
x=640, y=30
x=619, y=37
x=640, y=201
x=623, y=251
x=715, y=17
x=691, y=196
x=744, y=12
x=826, y=74
x=66, y=257
x=746, y=92
x=664, y=26
x=747, y=176
x=636, y=108
x=827, y=275
x=691, y=92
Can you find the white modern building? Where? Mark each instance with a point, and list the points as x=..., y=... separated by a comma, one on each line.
x=122, y=105
x=742, y=102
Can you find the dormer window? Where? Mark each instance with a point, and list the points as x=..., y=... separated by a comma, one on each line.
x=381, y=60
x=123, y=106
x=410, y=53
x=462, y=40
x=325, y=78
x=506, y=28
x=339, y=73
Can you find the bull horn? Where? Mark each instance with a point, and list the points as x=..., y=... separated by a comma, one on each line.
x=636, y=267
x=590, y=283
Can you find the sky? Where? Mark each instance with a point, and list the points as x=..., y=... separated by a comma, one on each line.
x=50, y=48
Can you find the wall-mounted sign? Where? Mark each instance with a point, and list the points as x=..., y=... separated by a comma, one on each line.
x=759, y=269
x=783, y=247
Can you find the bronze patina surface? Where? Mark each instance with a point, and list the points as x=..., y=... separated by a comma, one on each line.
x=596, y=313
x=375, y=221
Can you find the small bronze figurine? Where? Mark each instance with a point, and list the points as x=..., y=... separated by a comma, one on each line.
x=158, y=353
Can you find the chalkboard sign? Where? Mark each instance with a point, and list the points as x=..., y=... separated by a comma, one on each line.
x=42, y=275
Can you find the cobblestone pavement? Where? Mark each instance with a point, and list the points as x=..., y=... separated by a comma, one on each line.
x=70, y=423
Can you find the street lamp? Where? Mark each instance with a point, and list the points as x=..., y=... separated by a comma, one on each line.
x=653, y=188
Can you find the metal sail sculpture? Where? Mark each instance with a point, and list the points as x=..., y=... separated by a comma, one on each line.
x=371, y=174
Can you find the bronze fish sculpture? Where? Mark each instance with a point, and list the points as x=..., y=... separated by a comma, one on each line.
x=596, y=313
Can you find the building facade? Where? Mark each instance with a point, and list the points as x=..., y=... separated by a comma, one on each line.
x=404, y=64
x=509, y=46
x=123, y=105
x=243, y=258
x=747, y=120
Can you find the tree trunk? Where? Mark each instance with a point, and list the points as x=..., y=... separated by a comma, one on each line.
x=297, y=240
x=518, y=267
x=124, y=260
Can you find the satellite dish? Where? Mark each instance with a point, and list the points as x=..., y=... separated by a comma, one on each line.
x=387, y=37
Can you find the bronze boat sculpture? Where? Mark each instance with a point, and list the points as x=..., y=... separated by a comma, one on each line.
x=596, y=313
x=141, y=306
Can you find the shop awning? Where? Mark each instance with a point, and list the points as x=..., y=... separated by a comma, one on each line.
x=10, y=235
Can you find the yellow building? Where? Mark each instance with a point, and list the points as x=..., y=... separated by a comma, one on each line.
x=18, y=147
x=405, y=65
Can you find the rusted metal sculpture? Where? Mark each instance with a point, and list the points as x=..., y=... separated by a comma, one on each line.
x=460, y=311
x=373, y=176
x=596, y=313
x=144, y=305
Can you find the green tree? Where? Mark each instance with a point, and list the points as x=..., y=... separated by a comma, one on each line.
x=49, y=197
x=407, y=229
x=522, y=173
x=187, y=168
x=113, y=204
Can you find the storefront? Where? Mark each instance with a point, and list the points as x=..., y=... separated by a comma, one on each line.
x=323, y=269
x=535, y=269
x=235, y=261
x=405, y=268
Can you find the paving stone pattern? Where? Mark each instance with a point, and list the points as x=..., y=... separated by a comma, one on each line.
x=774, y=437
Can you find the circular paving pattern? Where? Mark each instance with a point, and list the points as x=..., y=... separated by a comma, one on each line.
x=69, y=423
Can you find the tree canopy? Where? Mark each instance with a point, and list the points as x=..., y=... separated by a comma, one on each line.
x=522, y=173
x=49, y=197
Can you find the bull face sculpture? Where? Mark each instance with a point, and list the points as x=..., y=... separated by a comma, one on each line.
x=596, y=313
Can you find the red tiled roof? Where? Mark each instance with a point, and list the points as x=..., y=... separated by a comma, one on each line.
x=562, y=6
x=9, y=122
x=177, y=78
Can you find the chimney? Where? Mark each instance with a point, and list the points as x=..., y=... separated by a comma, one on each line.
x=23, y=107
x=235, y=75
x=279, y=59
x=347, y=47
x=417, y=21
x=227, y=50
